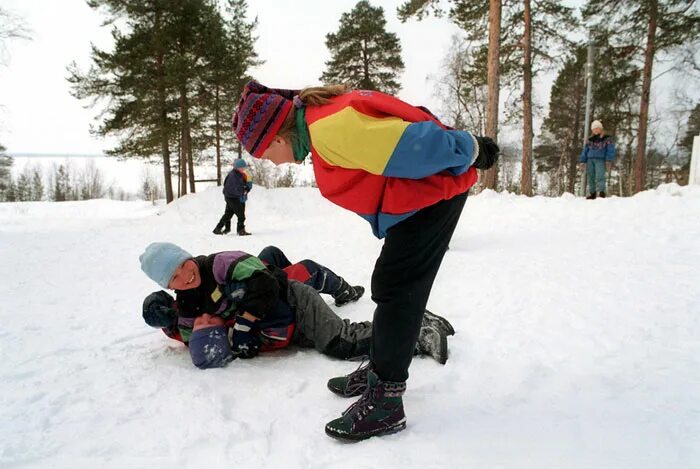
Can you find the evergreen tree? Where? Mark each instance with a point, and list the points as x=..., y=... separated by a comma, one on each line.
x=165, y=76
x=23, y=187
x=5, y=173
x=229, y=56
x=363, y=54
x=37, y=185
x=661, y=25
x=62, y=189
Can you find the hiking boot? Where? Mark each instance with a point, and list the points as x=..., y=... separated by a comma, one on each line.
x=590, y=196
x=217, y=231
x=243, y=232
x=432, y=341
x=347, y=293
x=378, y=412
x=601, y=194
x=432, y=319
x=353, y=384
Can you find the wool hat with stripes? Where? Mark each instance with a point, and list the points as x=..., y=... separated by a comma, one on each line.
x=260, y=114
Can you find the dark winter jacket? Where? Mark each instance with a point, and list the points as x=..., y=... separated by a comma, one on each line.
x=262, y=291
x=598, y=148
x=236, y=185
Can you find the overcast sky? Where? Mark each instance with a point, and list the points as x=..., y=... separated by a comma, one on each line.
x=38, y=115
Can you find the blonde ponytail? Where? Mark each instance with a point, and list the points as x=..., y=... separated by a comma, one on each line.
x=312, y=96
x=318, y=95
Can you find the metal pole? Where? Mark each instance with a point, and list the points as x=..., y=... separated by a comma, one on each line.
x=589, y=94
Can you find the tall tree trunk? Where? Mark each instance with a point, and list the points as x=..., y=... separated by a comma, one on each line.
x=492, y=82
x=640, y=160
x=217, y=134
x=184, y=139
x=190, y=161
x=526, y=172
x=163, y=117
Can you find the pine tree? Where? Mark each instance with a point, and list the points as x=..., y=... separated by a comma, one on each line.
x=5, y=173
x=175, y=69
x=37, y=186
x=661, y=25
x=23, y=187
x=62, y=189
x=363, y=54
x=229, y=56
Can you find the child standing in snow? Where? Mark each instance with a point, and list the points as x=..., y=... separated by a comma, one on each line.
x=404, y=172
x=597, y=156
x=237, y=184
x=263, y=307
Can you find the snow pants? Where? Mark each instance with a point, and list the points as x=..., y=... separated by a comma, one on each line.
x=233, y=207
x=318, y=326
x=595, y=171
x=401, y=282
x=320, y=277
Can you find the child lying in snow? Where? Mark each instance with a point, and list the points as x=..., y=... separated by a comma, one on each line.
x=264, y=307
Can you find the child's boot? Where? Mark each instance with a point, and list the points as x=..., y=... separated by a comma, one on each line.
x=591, y=196
x=347, y=293
x=432, y=319
x=243, y=232
x=432, y=341
x=378, y=412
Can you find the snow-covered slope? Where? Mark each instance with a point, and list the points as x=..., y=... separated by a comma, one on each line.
x=577, y=345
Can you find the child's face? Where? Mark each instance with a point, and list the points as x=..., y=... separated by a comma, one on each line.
x=206, y=320
x=186, y=276
x=597, y=131
x=280, y=151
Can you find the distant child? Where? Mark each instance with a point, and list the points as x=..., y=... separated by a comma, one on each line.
x=596, y=157
x=264, y=309
x=404, y=172
x=236, y=187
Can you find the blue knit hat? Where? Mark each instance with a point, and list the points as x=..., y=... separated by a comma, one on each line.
x=210, y=348
x=239, y=163
x=160, y=260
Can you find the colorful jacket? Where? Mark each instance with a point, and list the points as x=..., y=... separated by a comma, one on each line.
x=598, y=148
x=384, y=159
x=234, y=282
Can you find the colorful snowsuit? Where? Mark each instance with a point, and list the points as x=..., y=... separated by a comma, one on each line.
x=597, y=151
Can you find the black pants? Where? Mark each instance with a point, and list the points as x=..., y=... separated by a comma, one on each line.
x=401, y=283
x=233, y=207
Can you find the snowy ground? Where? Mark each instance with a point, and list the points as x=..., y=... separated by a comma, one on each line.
x=578, y=340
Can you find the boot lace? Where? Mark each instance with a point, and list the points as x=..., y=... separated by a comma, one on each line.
x=357, y=380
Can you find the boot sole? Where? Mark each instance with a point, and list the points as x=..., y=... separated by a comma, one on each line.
x=354, y=437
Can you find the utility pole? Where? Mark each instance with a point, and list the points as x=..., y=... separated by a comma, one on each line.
x=589, y=94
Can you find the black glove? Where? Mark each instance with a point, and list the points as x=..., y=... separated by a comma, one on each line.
x=246, y=343
x=488, y=153
x=158, y=310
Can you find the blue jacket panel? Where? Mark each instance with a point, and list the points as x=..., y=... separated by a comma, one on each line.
x=598, y=148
